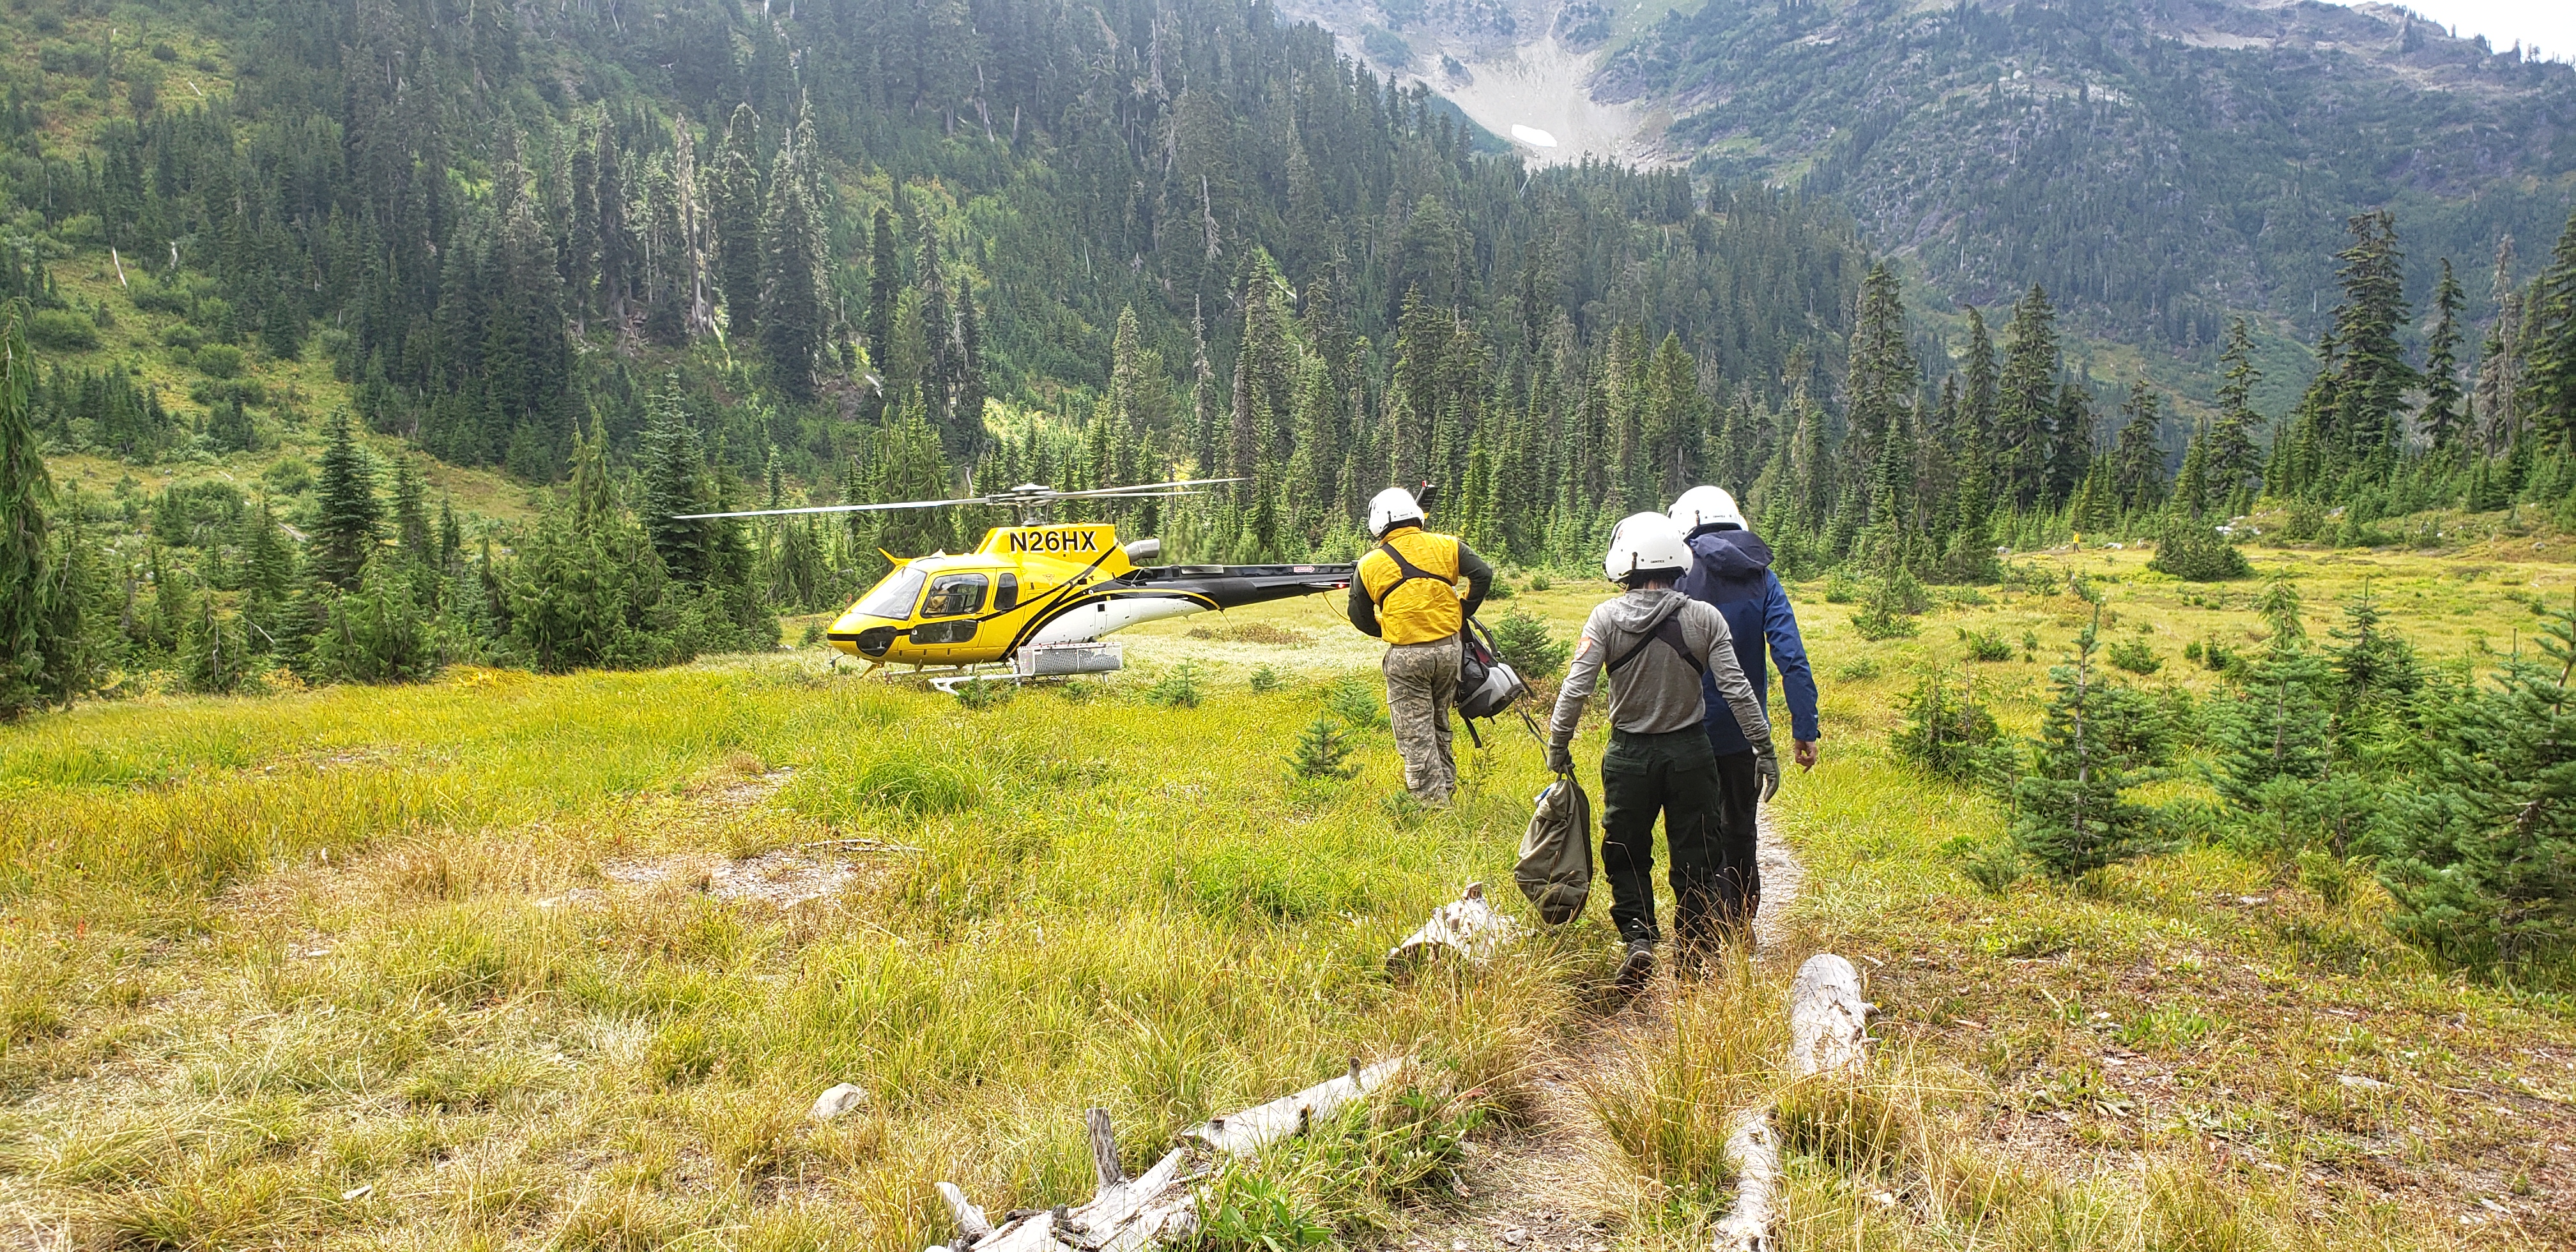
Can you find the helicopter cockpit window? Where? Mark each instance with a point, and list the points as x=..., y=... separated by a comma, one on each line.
x=893, y=597
x=1006, y=593
x=954, y=595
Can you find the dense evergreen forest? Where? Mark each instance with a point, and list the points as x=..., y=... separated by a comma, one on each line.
x=658, y=263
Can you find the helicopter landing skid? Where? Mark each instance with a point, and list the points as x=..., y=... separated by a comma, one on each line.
x=1042, y=660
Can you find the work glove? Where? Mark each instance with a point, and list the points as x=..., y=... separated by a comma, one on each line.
x=1766, y=763
x=1560, y=759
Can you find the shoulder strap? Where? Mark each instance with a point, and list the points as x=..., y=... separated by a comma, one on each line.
x=1406, y=571
x=1668, y=630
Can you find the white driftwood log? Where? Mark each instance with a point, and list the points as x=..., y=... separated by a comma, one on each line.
x=1828, y=1034
x=1469, y=928
x=1258, y=1127
x=1756, y=1149
x=1161, y=1207
x=1828, y=1021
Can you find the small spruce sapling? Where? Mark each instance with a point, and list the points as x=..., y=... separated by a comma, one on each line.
x=1323, y=751
x=1946, y=731
x=2071, y=818
x=2484, y=864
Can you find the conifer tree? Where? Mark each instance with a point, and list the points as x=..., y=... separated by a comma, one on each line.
x=1977, y=396
x=884, y=282
x=2484, y=865
x=2191, y=483
x=214, y=658
x=737, y=216
x=674, y=484
x=40, y=626
x=2071, y=817
x=2372, y=373
x=2547, y=398
x=267, y=582
x=2026, y=401
x=1883, y=372
x=792, y=326
x=2235, y=463
x=912, y=466
x=2495, y=397
x=2441, y=419
x=2138, y=459
x=347, y=531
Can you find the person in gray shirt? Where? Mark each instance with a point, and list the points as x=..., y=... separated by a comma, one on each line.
x=1655, y=643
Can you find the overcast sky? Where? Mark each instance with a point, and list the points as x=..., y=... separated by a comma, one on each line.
x=2548, y=24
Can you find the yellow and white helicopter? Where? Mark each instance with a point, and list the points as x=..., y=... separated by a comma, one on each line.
x=1039, y=595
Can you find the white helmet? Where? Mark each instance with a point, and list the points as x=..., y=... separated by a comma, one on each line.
x=1706, y=506
x=1646, y=543
x=1390, y=506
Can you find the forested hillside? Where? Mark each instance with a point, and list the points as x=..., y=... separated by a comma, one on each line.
x=2157, y=165
x=319, y=267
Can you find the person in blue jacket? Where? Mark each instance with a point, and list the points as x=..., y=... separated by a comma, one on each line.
x=1731, y=571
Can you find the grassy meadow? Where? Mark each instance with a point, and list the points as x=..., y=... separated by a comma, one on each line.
x=510, y=961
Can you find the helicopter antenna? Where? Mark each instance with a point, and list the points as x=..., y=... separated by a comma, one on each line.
x=1029, y=500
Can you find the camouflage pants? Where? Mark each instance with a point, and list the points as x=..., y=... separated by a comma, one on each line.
x=1421, y=688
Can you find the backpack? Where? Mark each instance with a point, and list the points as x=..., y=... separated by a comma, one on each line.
x=1486, y=686
x=1555, y=869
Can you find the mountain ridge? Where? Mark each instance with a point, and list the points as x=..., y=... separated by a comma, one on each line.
x=2162, y=165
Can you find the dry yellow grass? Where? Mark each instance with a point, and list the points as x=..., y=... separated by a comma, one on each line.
x=490, y=963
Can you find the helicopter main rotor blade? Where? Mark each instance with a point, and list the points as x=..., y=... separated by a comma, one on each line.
x=830, y=508
x=1138, y=491
x=1096, y=493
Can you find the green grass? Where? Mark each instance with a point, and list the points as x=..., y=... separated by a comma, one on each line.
x=455, y=965
x=356, y=938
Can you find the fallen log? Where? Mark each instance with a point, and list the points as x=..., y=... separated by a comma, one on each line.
x=1828, y=1020
x=1161, y=1206
x=1828, y=1035
x=1469, y=928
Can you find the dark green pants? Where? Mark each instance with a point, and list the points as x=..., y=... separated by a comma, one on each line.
x=1674, y=774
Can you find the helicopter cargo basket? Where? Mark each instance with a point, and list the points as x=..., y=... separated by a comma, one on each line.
x=1053, y=660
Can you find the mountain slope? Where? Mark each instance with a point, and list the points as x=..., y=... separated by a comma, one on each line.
x=2155, y=164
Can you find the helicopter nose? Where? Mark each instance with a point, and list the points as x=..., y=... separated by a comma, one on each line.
x=873, y=642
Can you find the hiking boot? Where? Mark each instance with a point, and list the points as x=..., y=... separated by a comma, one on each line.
x=1637, y=969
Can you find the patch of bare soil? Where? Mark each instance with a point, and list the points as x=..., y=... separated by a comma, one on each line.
x=781, y=879
x=1550, y=1184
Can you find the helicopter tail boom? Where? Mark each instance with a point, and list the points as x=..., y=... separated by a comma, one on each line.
x=1234, y=586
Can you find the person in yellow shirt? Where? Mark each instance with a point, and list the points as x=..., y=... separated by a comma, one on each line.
x=1405, y=591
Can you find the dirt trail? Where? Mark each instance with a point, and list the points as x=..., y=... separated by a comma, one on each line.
x=1549, y=1186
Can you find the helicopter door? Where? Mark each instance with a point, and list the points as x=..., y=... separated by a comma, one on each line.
x=951, y=596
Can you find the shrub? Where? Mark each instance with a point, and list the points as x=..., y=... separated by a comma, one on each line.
x=1266, y=679
x=182, y=335
x=2484, y=841
x=1945, y=730
x=1184, y=686
x=219, y=360
x=1323, y=752
x=62, y=330
x=1987, y=645
x=2194, y=551
x=1357, y=702
x=378, y=634
x=986, y=693
x=1539, y=581
x=2135, y=656
x=1524, y=644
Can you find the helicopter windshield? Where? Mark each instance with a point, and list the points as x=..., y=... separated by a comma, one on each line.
x=893, y=597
